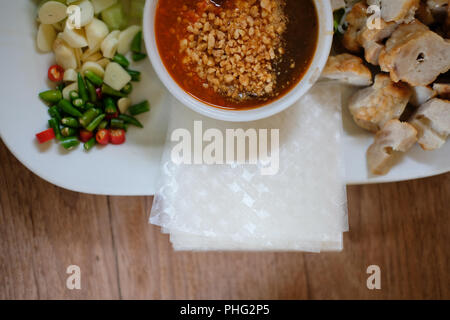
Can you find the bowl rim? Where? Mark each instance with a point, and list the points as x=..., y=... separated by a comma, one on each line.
x=324, y=43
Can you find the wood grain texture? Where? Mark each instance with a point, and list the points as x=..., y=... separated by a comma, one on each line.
x=402, y=227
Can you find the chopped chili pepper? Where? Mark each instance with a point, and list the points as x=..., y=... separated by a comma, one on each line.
x=56, y=73
x=102, y=136
x=46, y=135
x=99, y=93
x=117, y=136
x=114, y=115
x=85, y=135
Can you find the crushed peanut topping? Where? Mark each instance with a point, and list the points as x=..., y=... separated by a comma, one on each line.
x=234, y=50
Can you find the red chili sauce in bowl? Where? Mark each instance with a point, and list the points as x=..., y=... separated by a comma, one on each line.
x=236, y=54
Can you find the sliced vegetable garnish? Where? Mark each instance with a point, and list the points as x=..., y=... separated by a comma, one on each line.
x=117, y=124
x=54, y=113
x=114, y=17
x=95, y=123
x=91, y=74
x=131, y=120
x=102, y=137
x=91, y=91
x=51, y=96
x=90, y=144
x=117, y=136
x=73, y=95
x=139, y=56
x=110, y=106
x=135, y=75
x=94, y=78
x=79, y=103
x=67, y=107
x=89, y=105
x=137, y=9
x=70, y=143
x=99, y=93
x=120, y=59
x=46, y=135
x=103, y=124
x=127, y=89
x=53, y=124
x=51, y=12
x=136, y=44
x=68, y=132
x=85, y=135
x=107, y=90
x=116, y=76
x=56, y=73
x=70, y=122
x=82, y=90
x=123, y=104
x=139, y=108
x=88, y=116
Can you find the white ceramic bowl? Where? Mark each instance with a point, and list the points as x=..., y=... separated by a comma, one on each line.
x=325, y=18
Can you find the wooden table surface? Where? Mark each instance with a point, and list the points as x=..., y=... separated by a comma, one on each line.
x=401, y=227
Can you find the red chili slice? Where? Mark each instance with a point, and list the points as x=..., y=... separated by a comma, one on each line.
x=112, y=116
x=56, y=73
x=98, y=91
x=102, y=137
x=46, y=135
x=117, y=136
x=85, y=135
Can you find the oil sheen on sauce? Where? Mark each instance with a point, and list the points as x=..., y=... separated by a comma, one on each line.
x=300, y=43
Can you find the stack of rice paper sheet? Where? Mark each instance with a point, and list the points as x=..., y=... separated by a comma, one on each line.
x=234, y=207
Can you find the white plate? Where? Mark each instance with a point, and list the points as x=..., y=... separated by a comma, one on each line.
x=415, y=164
x=130, y=169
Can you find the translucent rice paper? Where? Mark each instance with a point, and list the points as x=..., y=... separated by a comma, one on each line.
x=234, y=207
